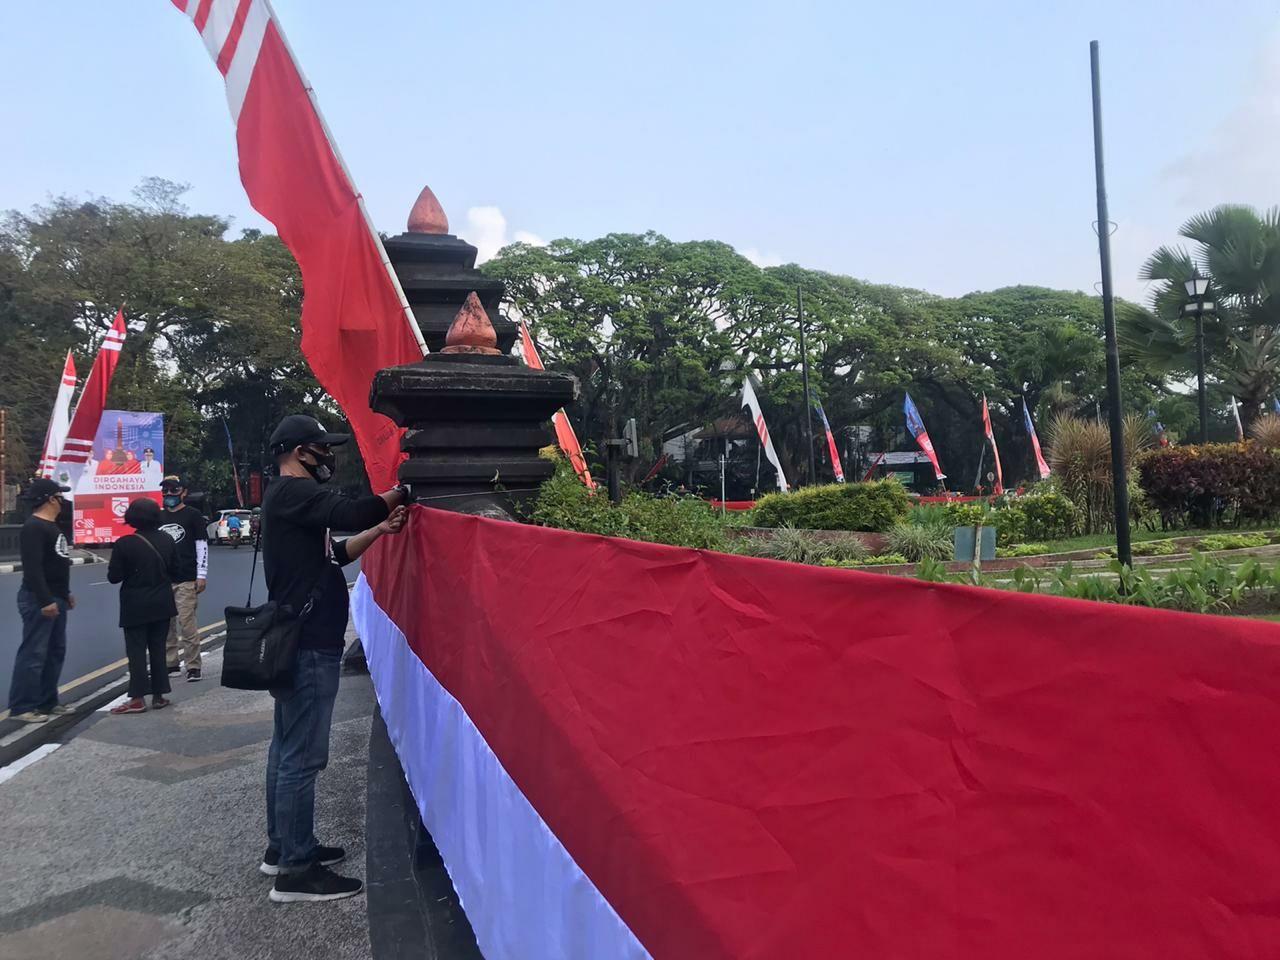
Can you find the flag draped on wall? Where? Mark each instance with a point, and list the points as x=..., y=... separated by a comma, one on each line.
x=750, y=401
x=93, y=400
x=995, y=451
x=566, y=439
x=1041, y=466
x=915, y=426
x=355, y=319
x=836, y=466
x=60, y=420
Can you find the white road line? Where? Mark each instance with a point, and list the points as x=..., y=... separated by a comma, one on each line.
x=39, y=753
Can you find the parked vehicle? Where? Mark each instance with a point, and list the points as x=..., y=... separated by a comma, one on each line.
x=218, y=530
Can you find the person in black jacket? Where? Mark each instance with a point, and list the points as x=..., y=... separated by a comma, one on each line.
x=144, y=564
x=302, y=563
x=43, y=601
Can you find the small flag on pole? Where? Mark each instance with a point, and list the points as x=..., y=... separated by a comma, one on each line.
x=995, y=451
x=93, y=400
x=1235, y=412
x=566, y=439
x=916, y=428
x=836, y=466
x=1041, y=466
x=235, y=472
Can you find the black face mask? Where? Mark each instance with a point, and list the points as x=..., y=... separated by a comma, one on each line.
x=322, y=470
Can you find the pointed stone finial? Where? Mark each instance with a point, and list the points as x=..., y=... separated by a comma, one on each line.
x=471, y=331
x=427, y=216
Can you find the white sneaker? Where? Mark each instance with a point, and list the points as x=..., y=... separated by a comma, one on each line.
x=33, y=716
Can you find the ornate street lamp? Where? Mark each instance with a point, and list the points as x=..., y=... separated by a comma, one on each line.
x=1197, y=287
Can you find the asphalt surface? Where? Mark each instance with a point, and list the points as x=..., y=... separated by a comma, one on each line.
x=94, y=641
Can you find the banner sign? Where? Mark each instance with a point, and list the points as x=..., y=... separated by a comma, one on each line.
x=633, y=750
x=125, y=463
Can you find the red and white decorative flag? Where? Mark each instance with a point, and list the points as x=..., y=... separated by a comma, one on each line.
x=93, y=400
x=566, y=439
x=355, y=319
x=750, y=401
x=60, y=420
x=995, y=451
x=1235, y=412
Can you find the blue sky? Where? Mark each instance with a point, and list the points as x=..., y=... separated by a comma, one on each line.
x=935, y=145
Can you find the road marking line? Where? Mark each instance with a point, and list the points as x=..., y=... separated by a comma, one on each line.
x=124, y=661
x=39, y=753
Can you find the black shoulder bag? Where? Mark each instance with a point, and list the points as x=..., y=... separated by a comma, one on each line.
x=262, y=642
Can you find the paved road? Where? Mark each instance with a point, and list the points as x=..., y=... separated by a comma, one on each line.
x=94, y=640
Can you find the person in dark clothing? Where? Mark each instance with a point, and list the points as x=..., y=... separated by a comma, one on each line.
x=302, y=563
x=145, y=564
x=43, y=601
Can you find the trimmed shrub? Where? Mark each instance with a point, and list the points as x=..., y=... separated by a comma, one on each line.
x=866, y=507
x=1023, y=550
x=564, y=502
x=801, y=546
x=1210, y=484
x=1233, y=541
x=883, y=560
x=1049, y=515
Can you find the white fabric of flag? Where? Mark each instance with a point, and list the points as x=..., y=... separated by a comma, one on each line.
x=750, y=401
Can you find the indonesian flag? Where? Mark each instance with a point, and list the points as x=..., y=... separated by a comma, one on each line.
x=995, y=451
x=1035, y=441
x=836, y=468
x=355, y=319
x=916, y=427
x=566, y=439
x=60, y=421
x=93, y=400
x=750, y=401
x=1235, y=412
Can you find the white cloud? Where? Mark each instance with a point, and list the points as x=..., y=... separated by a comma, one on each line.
x=761, y=259
x=487, y=232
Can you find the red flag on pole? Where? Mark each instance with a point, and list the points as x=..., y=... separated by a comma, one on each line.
x=995, y=451
x=93, y=400
x=355, y=319
x=566, y=439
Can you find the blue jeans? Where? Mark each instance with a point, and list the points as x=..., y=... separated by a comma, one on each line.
x=299, y=751
x=38, y=665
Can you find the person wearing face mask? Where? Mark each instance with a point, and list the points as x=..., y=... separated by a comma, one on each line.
x=186, y=527
x=302, y=563
x=43, y=601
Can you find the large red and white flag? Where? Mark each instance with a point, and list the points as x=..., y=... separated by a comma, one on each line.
x=93, y=400
x=566, y=439
x=995, y=451
x=60, y=420
x=752, y=403
x=355, y=319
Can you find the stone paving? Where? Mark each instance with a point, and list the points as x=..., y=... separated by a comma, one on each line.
x=140, y=836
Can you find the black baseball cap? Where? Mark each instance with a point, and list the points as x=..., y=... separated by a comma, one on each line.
x=298, y=428
x=172, y=484
x=44, y=488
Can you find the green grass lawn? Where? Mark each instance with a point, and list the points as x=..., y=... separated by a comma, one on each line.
x=1102, y=541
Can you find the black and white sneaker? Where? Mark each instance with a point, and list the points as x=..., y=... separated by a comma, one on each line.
x=314, y=884
x=326, y=856
x=174, y=671
x=193, y=676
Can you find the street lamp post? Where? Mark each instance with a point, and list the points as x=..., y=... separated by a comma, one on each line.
x=1196, y=304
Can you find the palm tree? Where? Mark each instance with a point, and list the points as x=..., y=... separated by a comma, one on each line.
x=1238, y=249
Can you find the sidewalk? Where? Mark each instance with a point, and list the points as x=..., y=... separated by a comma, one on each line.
x=140, y=836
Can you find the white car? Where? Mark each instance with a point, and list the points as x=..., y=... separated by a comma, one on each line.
x=219, y=532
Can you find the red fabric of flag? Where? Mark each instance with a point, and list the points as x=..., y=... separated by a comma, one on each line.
x=93, y=399
x=995, y=451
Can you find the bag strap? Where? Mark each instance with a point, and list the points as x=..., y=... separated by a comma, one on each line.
x=253, y=569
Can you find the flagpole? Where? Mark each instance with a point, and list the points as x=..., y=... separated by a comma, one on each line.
x=808, y=401
x=1120, y=483
x=364, y=211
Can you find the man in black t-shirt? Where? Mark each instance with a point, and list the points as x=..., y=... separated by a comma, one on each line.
x=302, y=564
x=185, y=524
x=43, y=601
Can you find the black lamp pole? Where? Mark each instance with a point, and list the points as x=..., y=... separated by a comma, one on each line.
x=1118, y=477
x=1204, y=401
